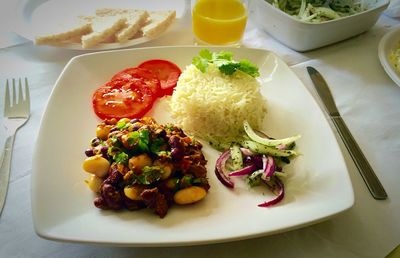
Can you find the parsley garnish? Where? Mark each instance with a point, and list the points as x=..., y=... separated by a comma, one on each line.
x=121, y=158
x=150, y=174
x=223, y=60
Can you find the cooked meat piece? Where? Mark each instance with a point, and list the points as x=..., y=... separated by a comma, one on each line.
x=156, y=201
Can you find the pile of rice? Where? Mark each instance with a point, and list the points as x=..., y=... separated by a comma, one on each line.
x=213, y=106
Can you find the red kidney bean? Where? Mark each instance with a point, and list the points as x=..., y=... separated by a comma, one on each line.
x=100, y=203
x=89, y=152
x=111, y=196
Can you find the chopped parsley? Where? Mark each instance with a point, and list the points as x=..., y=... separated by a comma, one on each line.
x=121, y=158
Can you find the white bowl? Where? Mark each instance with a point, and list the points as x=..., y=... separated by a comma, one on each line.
x=388, y=43
x=304, y=36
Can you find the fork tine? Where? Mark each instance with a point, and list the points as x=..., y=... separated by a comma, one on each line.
x=14, y=98
x=27, y=96
x=20, y=96
x=7, y=100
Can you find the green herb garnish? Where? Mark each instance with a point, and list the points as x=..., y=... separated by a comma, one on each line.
x=223, y=60
x=150, y=174
x=121, y=158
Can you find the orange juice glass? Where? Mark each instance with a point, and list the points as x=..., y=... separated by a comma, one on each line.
x=219, y=22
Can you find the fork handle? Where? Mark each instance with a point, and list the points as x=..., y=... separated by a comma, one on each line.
x=5, y=170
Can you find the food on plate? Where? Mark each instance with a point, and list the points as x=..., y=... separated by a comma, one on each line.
x=131, y=92
x=135, y=19
x=215, y=95
x=317, y=11
x=158, y=22
x=167, y=72
x=109, y=25
x=260, y=159
x=102, y=29
x=139, y=163
x=394, y=58
x=65, y=33
x=119, y=99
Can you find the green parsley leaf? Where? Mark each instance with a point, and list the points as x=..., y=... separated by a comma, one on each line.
x=121, y=124
x=156, y=144
x=133, y=137
x=225, y=63
x=249, y=68
x=206, y=54
x=121, y=158
x=150, y=174
x=223, y=55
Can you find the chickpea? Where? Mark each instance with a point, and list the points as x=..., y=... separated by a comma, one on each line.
x=165, y=167
x=189, y=195
x=94, y=183
x=136, y=163
x=102, y=131
x=133, y=192
x=96, y=165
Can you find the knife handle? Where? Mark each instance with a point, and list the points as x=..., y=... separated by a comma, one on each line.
x=363, y=166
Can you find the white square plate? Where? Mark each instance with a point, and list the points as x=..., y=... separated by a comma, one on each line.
x=318, y=185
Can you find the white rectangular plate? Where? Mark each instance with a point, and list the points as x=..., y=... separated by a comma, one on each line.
x=318, y=185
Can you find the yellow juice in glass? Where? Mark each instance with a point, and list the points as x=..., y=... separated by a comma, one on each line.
x=219, y=22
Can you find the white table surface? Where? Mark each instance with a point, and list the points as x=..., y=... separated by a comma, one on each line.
x=367, y=99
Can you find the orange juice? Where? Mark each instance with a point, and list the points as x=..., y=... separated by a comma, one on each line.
x=219, y=22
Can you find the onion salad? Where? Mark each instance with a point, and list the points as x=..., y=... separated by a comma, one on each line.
x=260, y=160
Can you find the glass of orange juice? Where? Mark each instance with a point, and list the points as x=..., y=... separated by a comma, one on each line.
x=219, y=22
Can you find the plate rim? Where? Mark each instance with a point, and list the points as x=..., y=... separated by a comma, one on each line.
x=48, y=235
x=384, y=43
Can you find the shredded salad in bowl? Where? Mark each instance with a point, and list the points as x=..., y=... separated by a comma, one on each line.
x=317, y=11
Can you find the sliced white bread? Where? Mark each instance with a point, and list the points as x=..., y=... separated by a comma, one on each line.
x=76, y=30
x=102, y=29
x=158, y=22
x=135, y=19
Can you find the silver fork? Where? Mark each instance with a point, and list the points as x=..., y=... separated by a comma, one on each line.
x=16, y=113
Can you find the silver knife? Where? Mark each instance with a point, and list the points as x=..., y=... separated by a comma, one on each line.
x=363, y=166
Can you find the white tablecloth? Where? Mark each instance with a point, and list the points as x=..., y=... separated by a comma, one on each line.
x=368, y=100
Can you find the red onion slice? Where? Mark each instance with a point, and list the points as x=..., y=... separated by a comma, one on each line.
x=220, y=170
x=269, y=168
x=244, y=171
x=274, y=187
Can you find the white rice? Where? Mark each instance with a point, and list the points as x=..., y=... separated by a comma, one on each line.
x=213, y=106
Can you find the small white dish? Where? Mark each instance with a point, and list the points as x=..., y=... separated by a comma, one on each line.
x=35, y=17
x=304, y=36
x=317, y=187
x=389, y=42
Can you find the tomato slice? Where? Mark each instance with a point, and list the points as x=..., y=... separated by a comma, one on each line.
x=119, y=99
x=166, y=71
x=139, y=76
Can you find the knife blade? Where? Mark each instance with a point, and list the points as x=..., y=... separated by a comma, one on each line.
x=371, y=180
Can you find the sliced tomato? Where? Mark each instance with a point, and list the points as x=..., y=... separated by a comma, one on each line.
x=166, y=71
x=139, y=76
x=119, y=99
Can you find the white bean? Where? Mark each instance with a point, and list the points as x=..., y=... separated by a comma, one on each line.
x=189, y=195
x=133, y=192
x=96, y=165
x=94, y=183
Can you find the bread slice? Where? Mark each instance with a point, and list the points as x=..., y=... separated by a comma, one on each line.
x=102, y=29
x=76, y=30
x=135, y=19
x=159, y=21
